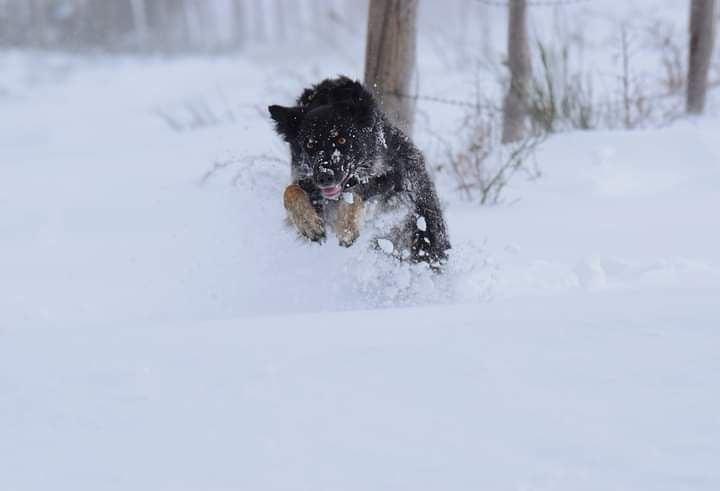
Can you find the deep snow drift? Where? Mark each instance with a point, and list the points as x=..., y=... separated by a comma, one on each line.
x=161, y=328
x=611, y=391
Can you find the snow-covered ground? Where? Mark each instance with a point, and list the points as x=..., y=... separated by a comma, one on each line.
x=610, y=391
x=161, y=328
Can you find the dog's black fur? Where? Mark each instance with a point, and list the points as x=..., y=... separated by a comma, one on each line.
x=338, y=136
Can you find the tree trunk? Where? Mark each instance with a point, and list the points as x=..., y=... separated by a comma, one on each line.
x=140, y=23
x=39, y=21
x=390, y=58
x=163, y=18
x=260, y=33
x=281, y=24
x=702, y=26
x=239, y=23
x=515, y=106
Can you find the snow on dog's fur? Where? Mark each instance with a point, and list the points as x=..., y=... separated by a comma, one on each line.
x=345, y=154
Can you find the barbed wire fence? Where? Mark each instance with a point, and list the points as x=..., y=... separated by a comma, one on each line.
x=481, y=167
x=618, y=103
x=447, y=101
x=493, y=108
x=534, y=3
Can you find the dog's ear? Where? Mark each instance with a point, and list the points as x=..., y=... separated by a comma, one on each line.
x=287, y=120
x=348, y=91
x=351, y=97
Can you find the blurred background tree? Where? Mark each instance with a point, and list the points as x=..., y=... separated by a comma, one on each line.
x=391, y=56
x=515, y=106
x=167, y=26
x=702, y=38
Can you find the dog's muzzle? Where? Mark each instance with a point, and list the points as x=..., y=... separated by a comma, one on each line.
x=330, y=188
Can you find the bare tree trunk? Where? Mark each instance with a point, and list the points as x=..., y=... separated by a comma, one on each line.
x=239, y=23
x=625, y=80
x=260, y=33
x=390, y=57
x=40, y=23
x=140, y=22
x=202, y=25
x=515, y=105
x=280, y=16
x=702, y=26
x=188, y=17
x=166, y=19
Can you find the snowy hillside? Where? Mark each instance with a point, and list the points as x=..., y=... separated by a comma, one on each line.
x=115, y=217
x=161, y=331
x=162, y=328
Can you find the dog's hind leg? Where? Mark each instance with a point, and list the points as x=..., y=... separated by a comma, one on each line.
x=349, y=217
x=302, y=213
x=426, y=225
x=429, y=243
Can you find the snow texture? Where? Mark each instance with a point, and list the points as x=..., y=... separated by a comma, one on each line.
x=162, y=328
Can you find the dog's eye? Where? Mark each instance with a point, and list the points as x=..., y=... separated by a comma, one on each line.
x=341, y=140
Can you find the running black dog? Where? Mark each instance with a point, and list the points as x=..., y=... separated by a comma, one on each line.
x=345, y=154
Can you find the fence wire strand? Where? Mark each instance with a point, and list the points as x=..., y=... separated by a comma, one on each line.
x=496, y=109
x=446, y=101
x=533, y=3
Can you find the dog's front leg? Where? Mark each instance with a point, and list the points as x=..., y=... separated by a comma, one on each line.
x=302, y=214
x=349, y=217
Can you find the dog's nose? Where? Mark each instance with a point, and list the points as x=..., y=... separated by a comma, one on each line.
x=325, y=178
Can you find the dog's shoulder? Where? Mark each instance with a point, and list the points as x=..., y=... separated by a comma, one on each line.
x=398, y=147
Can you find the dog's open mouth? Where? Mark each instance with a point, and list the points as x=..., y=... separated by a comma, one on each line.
x=332, y=192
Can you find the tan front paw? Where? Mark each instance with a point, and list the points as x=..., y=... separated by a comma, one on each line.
x=347, y=237
x=302, y=214
x=349, y=217
x=312, y=228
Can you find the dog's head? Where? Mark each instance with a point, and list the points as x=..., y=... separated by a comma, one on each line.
x=332, y=136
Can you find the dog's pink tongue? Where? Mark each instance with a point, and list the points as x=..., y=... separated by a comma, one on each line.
x=332, y=191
